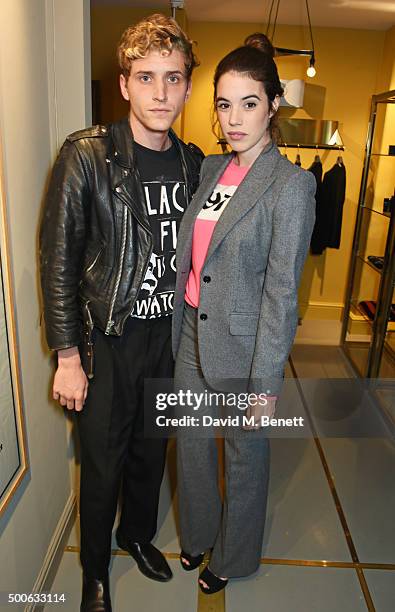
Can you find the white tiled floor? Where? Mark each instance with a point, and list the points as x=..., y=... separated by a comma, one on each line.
x=130, y=590
x=281, y=588
x=382, y=589
x=302, y=521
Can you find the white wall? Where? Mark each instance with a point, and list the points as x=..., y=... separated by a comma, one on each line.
x=69, y=65
x=44, y=93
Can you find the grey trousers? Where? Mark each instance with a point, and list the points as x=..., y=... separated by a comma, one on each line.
x=234, y=529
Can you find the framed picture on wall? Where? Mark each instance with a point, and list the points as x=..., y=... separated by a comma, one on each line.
x=13, y=456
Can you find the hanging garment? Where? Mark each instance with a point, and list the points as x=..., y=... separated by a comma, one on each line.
x=316, y=169
x=330, y=210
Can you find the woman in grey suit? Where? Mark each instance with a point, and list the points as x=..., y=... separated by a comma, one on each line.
x=240, y=253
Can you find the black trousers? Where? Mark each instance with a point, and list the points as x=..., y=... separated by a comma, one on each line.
x=114, y=451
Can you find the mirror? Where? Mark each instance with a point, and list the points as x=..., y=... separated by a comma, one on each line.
x=13, y=464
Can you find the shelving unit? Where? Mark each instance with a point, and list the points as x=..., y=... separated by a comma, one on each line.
x=368, y=351
x=319, y=134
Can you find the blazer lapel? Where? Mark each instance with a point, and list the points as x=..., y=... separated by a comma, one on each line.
x=206, y=187
x=259, y=178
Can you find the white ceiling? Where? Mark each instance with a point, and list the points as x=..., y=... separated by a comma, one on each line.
x=360, y=14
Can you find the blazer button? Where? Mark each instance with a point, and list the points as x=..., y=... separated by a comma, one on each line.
x=203, y=316
x=207, y=279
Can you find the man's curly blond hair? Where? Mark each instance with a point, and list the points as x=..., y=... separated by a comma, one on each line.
x=156, y=32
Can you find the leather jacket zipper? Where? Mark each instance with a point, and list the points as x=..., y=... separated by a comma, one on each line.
x=110, y=322
x=92, y=265
x=143, y=271
x=89, y=323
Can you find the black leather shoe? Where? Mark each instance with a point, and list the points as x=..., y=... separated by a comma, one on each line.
x=95, y=595
x=149, y=559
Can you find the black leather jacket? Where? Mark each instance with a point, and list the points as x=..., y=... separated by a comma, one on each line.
x=95, y=238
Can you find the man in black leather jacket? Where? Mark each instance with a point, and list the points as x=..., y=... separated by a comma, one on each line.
x=107, y=250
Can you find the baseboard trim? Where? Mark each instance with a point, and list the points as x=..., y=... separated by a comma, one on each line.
x=55, y=552
x=319, y=332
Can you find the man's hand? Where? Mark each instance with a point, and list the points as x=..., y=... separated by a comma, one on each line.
x=265, y=406
x=70, y=385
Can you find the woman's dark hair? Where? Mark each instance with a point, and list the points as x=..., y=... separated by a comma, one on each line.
x=254, y=59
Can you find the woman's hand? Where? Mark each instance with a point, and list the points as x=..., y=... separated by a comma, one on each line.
x=265, y=407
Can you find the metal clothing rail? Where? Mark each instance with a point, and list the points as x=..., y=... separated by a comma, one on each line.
x=311, y=146
x=222, y=141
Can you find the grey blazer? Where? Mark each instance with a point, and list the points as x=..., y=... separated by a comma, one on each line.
x=248, y=309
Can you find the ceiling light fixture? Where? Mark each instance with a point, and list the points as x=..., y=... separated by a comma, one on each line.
x=311, y=71
x=176, y=4
x=280, y=51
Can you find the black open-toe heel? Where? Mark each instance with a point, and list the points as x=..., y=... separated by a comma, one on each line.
x=214, y=583
x=194, y=562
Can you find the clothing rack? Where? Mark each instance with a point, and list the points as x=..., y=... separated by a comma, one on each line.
x=222, y=141
x=311, y=146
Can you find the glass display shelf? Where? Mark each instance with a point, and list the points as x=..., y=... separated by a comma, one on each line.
x=367, y=332
x=369, y=263
x=378, y=212
x=366, y=284
x=389, y=345
x=360, y=315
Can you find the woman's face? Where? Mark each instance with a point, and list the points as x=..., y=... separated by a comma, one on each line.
x=243, y=112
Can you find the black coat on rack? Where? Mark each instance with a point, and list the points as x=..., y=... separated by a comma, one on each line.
x=316, y=169
x=329, y=210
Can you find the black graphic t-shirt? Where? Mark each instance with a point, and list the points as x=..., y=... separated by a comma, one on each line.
x=165, y=201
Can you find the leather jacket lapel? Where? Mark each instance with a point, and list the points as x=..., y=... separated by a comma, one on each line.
x=131, y=193
x=122, y=143
x=126, y=184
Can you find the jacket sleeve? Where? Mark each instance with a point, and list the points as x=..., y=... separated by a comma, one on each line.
x=62, y=238
x=203, y=167
x=293, y=223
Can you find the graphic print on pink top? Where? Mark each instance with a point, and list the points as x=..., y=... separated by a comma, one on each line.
x=205, y=224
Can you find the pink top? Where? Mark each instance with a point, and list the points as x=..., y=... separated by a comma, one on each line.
x=205, y=224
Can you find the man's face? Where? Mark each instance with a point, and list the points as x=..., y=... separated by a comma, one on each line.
x=157, y=89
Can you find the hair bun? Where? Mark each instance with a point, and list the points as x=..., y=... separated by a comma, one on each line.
x=260, y=41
